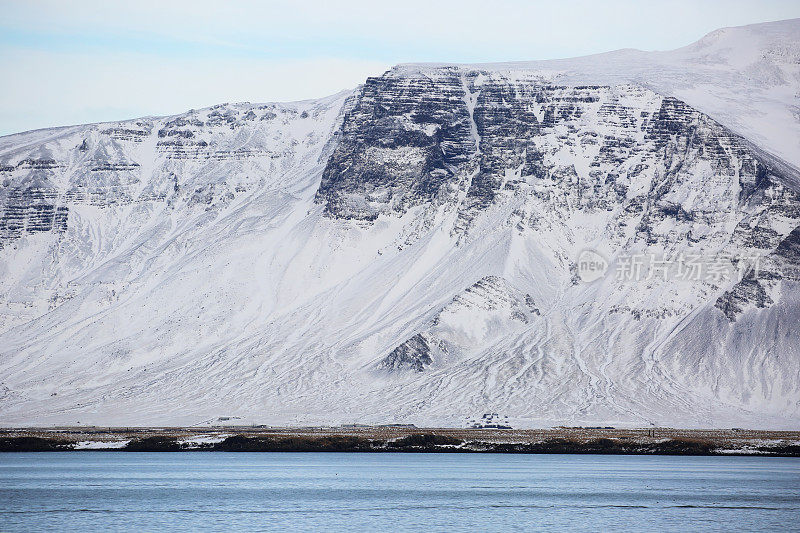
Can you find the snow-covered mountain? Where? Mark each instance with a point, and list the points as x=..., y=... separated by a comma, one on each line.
x=409, y=251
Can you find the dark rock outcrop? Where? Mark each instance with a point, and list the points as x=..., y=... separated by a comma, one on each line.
x=403, y=143
x=414, y=354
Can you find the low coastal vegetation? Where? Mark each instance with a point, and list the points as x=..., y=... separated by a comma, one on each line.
x=414, y=441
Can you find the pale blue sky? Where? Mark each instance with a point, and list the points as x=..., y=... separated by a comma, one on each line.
x=88, y=61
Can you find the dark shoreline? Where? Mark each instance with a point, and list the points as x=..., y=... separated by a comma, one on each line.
x=605, y=441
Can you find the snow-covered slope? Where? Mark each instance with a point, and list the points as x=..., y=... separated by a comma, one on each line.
x=408, y=251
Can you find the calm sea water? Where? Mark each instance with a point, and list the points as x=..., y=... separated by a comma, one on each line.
x=102, y=491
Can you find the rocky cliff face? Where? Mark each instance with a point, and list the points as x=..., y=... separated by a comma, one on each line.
x=405, y=142
x=208, y=157
x=465, y=137
x=408, y=251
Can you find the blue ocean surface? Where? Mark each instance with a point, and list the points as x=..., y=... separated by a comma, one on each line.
x=119, y=491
